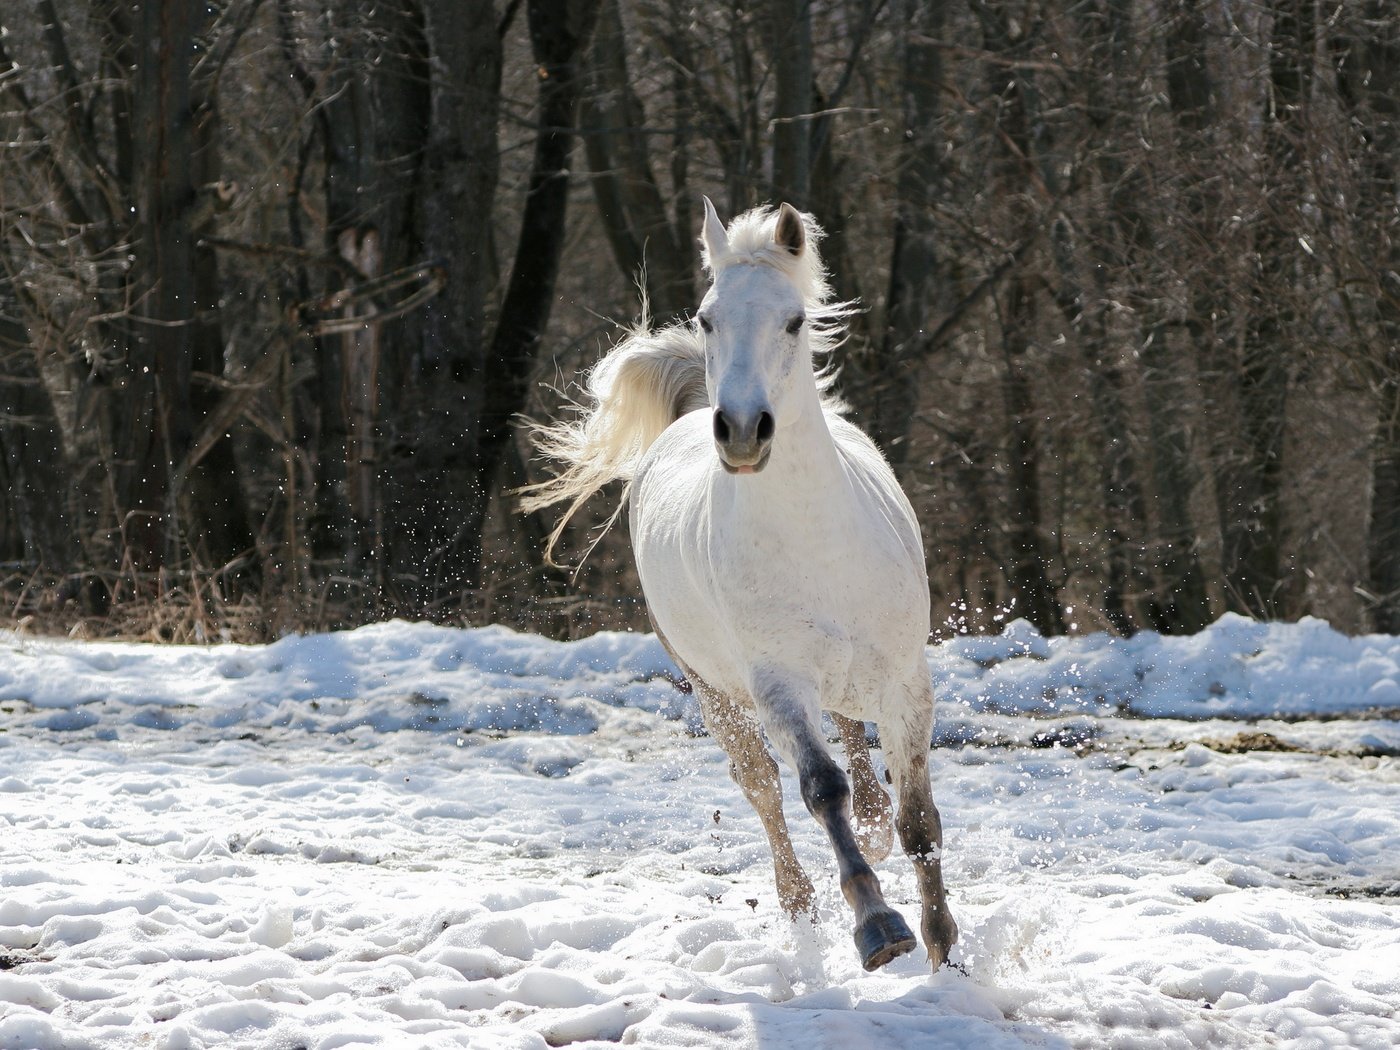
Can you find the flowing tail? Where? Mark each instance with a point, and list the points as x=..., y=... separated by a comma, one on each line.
x=639, y=388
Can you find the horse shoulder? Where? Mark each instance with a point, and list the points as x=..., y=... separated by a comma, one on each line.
x=872, y=475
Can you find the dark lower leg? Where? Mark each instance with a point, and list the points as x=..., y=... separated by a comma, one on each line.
x=880, y=933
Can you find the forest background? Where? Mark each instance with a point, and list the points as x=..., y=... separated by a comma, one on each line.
x=280, y=278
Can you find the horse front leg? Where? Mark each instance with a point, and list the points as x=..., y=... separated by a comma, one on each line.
x=881, y=934
x=874, y=825
x=905, y=741
x=753, y=769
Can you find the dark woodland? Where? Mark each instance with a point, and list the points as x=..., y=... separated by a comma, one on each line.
x=280, y=280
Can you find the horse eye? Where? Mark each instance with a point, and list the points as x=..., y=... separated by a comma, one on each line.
x=795, y=325
x=704, y=323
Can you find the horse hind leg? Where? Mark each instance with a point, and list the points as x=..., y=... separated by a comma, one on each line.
x=881, y=933
x=753, y=769
x=874, y=826
x=906, y=745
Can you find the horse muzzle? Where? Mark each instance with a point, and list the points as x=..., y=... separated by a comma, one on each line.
x=744, y=439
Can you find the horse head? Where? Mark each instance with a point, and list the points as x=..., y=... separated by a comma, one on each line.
x=758, y=362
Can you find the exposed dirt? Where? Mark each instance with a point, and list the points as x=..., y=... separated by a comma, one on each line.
x=1250, y=740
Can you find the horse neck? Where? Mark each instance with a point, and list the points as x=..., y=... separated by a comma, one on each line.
x=805, y=465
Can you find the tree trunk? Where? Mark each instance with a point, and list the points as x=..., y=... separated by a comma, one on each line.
x=1383, y=522
x=1255, y=563
x=1182, y=604
x=375, y=119
x=156, y=425
x=559, y=33
x=1367, y=56
x=173, y=505
x=433, y=484
x=1120, y=234
x=1027, y=571
x=827, y=201
x=644, y=242
x=211, y=497
x=919, y=280
x=38, y=483
x=792, y=85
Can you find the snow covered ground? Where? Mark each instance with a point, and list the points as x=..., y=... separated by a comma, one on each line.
x=409, y=836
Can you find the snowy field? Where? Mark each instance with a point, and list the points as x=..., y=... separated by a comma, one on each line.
x=409, y=836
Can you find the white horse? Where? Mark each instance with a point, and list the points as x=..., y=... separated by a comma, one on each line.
x=782, y=564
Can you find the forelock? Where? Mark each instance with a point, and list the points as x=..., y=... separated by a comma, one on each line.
x=752, y=240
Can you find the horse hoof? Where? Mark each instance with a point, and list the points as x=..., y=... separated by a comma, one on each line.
x=882, y=937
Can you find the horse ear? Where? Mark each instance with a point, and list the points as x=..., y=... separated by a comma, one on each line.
x=790, y=233
x=713, y=235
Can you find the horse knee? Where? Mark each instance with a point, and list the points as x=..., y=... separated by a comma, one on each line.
x=749, y=768
x=825, y=788
x=920, y=830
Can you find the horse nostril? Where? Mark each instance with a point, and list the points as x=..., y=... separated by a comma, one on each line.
x=721, y=427
x=765, y=426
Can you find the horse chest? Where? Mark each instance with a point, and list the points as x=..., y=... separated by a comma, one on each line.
x=741, y=584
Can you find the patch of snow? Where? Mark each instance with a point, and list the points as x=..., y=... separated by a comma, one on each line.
x=1236, y=668
x=407, y=835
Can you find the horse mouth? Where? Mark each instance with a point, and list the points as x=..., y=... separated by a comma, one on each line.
x=745, y=468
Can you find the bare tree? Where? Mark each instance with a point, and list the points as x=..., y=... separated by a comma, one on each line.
x=644, y=241
x=1026, y=557
x=920, y=284
x=1255, y=560
x=791, y=51
x=1366, y=54
x=272, y=297
x=133, y=163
